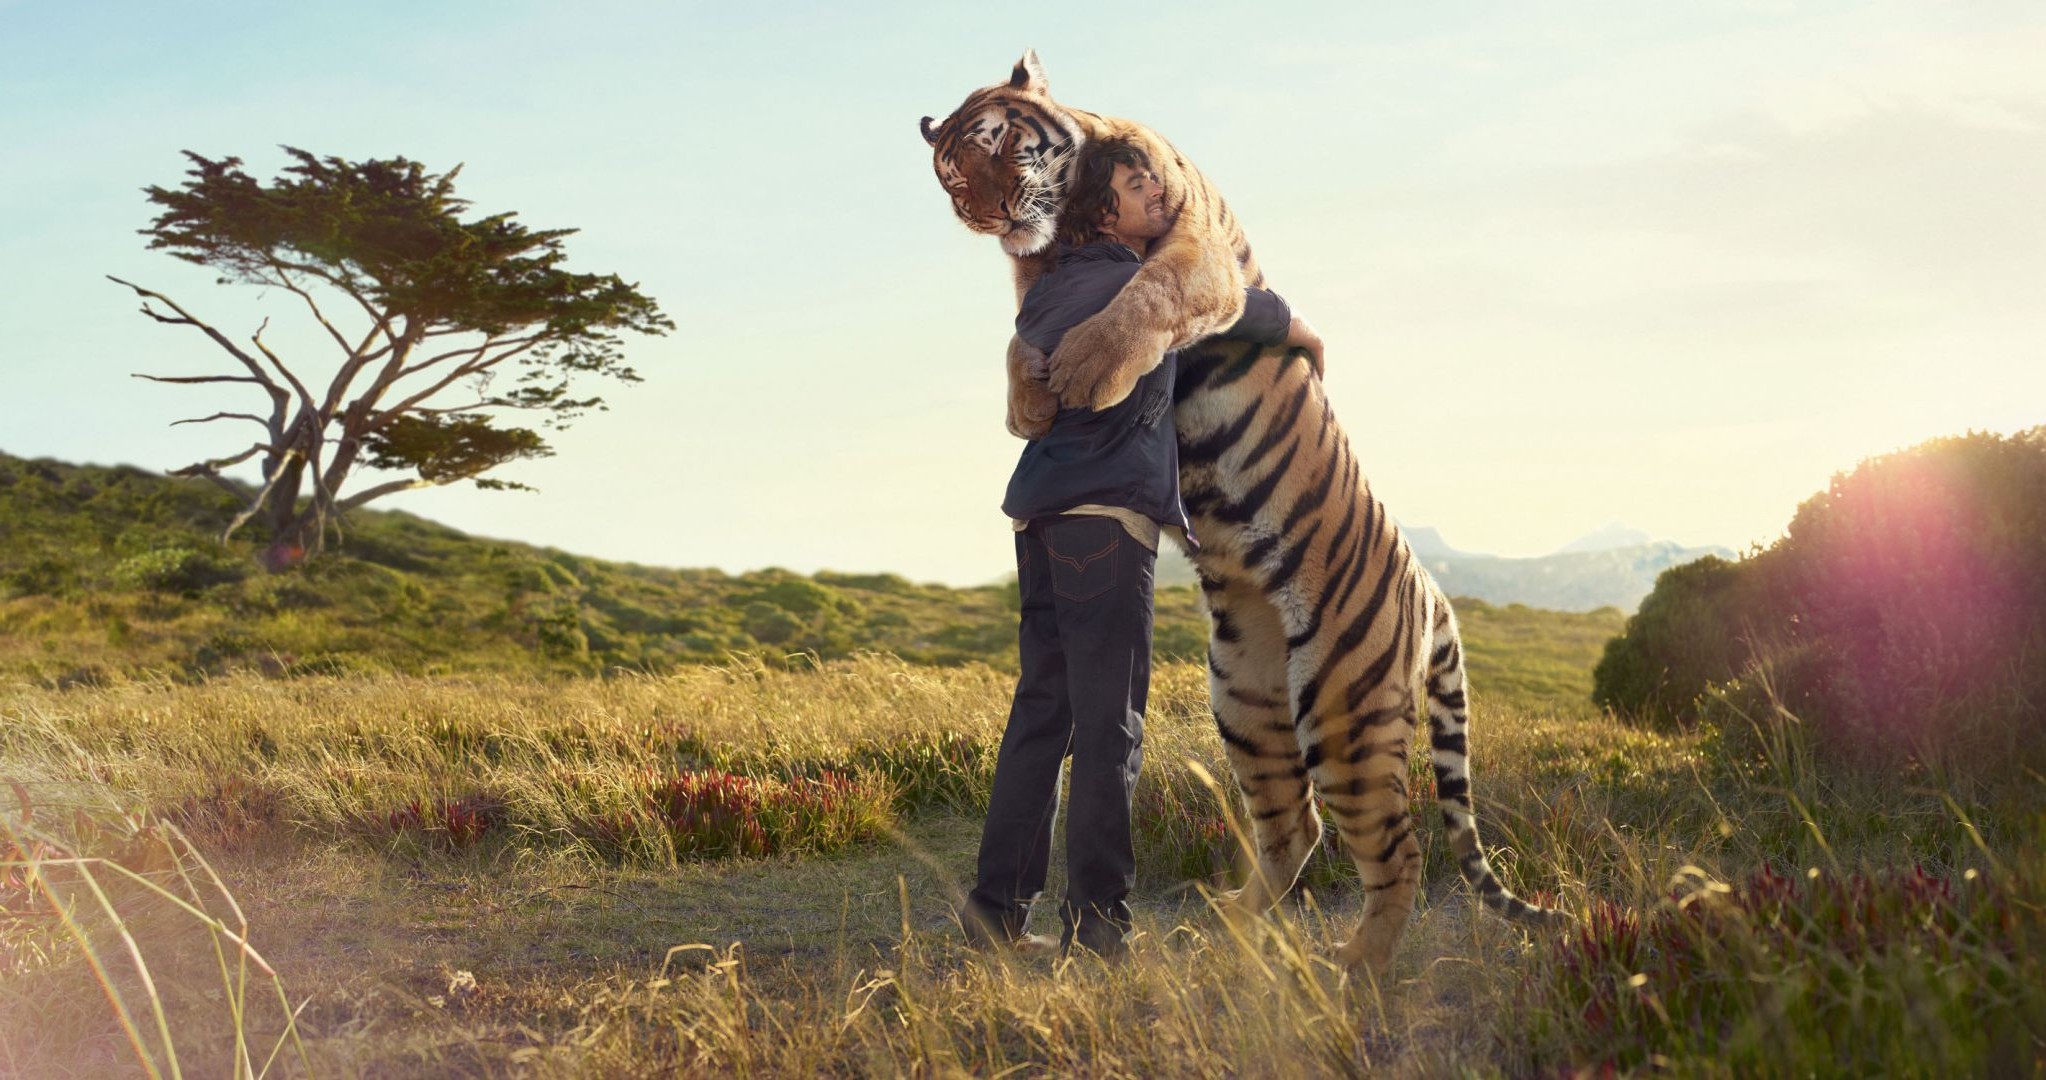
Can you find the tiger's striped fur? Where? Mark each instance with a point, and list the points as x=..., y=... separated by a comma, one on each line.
x=1005, y=155
x=1329, y=640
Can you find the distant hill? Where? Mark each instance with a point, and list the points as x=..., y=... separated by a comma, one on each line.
x=116, y=571
x=1428, y=543
x=1592, y=572
x=113, y=572
x=1567, y=581
x=1613, y=536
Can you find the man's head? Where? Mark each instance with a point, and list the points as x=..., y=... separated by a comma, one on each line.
x=1114, y=194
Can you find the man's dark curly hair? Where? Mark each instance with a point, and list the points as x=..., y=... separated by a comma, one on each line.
x=1093, y=193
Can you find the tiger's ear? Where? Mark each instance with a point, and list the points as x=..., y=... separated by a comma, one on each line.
x=1029, y=75
x=930, y=136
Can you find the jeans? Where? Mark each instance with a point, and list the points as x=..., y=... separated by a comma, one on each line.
x=1085, y=644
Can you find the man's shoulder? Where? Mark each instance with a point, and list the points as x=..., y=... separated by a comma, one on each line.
x=1086, y=268
x=1075, y=289
x=1097, y=251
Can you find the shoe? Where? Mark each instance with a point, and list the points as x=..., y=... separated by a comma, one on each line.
x=1034, y=945
x=990, y=933
x=1111, y=951
x=1021, y=945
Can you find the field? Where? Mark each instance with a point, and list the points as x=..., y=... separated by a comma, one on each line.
x=749, y=869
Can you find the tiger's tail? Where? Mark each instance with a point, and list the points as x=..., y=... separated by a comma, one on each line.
x=1449, y=739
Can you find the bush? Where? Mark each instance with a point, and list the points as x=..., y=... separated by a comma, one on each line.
x=1904, y=607
x=1908, y=972
x=38, y=577
x=183, y=571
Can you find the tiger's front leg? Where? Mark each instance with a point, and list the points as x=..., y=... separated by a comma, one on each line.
x=1183, y=293
x=1032, y=405
x=1247, y=688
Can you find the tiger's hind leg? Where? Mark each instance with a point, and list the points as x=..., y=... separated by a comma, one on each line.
x=1247, y=686
x=1363, y=781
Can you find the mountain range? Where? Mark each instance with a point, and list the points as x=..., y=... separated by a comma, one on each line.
x=1613, y=566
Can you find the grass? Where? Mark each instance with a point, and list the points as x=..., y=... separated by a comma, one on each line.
x=422, y=862
x=112, y=575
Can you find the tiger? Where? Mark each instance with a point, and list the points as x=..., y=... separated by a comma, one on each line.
x=1328, y=638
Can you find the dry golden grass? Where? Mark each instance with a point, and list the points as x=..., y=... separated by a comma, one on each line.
x=536, y=950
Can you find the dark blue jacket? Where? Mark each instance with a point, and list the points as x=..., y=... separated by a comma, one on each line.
x=1126, y=455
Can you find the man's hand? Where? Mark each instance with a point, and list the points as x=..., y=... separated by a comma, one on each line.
x=1299, y=335
x=1031, y=404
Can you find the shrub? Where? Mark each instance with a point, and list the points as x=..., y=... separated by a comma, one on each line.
x=1907, y=972
x=1687, y=635
x=179, y=570
x=711, y=813
x=800, y=597
x=769, y=624
x=38, y=577
x=1905, y=607
x=458, y=822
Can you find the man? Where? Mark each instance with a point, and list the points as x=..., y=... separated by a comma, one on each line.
x=1089, y=500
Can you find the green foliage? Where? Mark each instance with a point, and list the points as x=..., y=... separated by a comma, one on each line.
x=450, y=301
x=393, y=232
x=1903, y=609
x=445, y=448
x=769, y=624
x=176, y=570
x=1896, y=973
x=1688, y=617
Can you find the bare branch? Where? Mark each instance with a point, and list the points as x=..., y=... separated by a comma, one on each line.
x=192, y=378
x=284, y=279
x=223, y=416
x=215, y=464
x=473, y=367
x=251, y=506
x=162, y=318
x=471, y=407
x=477, y=351
x=381, y=490
x=315, y=421
x=185, y=319
x=341, y=283
x=305, y=396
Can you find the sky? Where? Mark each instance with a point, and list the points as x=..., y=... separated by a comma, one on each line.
x=1668, y=265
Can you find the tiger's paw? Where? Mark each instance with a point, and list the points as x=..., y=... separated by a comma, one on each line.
x=1031, y=409
x=1098, y=364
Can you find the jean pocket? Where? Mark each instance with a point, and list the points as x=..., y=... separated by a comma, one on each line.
x=1083, y=556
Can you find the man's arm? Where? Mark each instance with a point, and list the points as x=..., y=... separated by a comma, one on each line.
x=1267, y=320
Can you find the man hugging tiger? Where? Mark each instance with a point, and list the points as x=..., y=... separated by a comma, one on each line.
x=1329, y=642
x=1088, y=500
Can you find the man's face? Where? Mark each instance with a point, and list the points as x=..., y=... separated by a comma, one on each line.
x=1140, y=205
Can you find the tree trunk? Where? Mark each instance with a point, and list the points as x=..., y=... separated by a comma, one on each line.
x=288, y=526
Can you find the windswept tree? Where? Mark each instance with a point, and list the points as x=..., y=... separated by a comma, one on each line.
x=456, y=330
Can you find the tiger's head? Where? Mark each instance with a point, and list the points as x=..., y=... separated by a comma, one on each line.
x=1005, y=156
